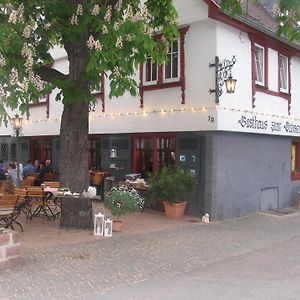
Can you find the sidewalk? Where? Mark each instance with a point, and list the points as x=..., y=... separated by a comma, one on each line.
x=40, y=232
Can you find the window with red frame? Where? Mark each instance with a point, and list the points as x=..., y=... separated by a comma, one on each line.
x=295, y=160
x=283, y=66
x=153, y=152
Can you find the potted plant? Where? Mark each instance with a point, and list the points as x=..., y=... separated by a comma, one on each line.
x=120, y=201
x=171, y=185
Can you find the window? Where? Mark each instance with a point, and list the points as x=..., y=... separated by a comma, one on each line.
x=41, y=148
x=94, y=148
x=259, y=65
x=295, y=160
x=171, y=68
x=150, y=71
x=169, y=75
x=283, y=73
x=153, y=152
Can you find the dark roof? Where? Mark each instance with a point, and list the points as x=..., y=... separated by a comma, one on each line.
x=259, y=15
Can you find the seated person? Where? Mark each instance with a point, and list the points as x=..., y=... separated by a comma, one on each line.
x=48, y=167
x=41, y=174
x=12, y=173
x=28, y=169
x=2, y=171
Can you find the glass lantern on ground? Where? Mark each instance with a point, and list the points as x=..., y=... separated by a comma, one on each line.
x=16, y=124
x=99, y=224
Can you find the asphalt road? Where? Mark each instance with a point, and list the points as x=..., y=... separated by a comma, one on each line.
x=255, y=257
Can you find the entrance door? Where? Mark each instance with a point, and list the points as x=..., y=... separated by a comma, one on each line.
x=41, y=148
x=152, y=152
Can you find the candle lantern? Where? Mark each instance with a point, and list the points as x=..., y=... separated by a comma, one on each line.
x=99, y=224
x=108, y=227
x=113, y=152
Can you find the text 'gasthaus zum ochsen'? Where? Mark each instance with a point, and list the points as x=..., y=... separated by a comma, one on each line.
x=259, y=124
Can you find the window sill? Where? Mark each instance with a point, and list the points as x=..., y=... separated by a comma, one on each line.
x=158, y=86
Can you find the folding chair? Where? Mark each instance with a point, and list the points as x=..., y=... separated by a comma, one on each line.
x=10, y=210
x=23, y=201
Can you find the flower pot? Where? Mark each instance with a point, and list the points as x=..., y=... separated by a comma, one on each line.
x=117, y=226
x=174, y=211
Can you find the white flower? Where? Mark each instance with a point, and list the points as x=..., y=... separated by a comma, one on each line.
x=95, y=11
x=27, y=31
x=13, y=17
x=91, y=42
x=116, y=26
x=2, y=92
x=79, y=10
x=98, y=46
x=117, y=73
x=118, y=5
x=2, y=61
x=104, y=29
x=119, y=42
x=74, y=20
x=14, y=76
x=107, y=16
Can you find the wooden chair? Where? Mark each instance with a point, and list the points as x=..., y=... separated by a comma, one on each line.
x=98, y=178
x=23, y=201
x=38, y=202
x=52, y=184
x=26, y=182
x=49, y=176
x=9, y=210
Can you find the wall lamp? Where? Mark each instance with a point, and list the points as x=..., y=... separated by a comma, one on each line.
x=223, y=75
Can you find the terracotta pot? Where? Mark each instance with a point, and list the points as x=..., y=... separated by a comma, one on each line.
x=117, y=226
x=176, y=210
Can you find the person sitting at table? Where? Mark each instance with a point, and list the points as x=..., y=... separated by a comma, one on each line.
x=28, y=169
x=12, y=173
x=37, y=165
x=2, y=171
x=48, y=167
x=41, y=174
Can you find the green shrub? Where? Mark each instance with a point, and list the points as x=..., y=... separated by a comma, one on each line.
x=122, y=201
x=169, y=184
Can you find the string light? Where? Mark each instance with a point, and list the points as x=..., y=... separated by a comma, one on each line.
x=164, y=111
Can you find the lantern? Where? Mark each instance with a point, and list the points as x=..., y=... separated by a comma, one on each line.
x=108, y=227
x=99, y=224
x=113, y=152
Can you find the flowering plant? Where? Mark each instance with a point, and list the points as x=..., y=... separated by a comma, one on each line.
x=123, y=200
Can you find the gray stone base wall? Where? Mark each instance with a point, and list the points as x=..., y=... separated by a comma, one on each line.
x=251, y=173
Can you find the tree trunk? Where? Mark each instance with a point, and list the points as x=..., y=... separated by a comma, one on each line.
x=74, y=147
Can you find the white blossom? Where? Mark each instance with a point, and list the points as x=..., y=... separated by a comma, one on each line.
x=14, y=76
x=119, y=42
x=17, y=15
x=95, y=11
x=47, y=26
x=91, y=42
x=13, y=17
x=79, y=10
x=2, y=61
x=98, y=46
x=74, y=20
x=128, y=37
x=116, y=26
x=118, y=5
x=25, y=85
x=104, y=29
x=27, y=31
x=107, y=16
x=117, y=71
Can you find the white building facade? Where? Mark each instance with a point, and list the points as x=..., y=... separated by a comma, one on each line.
x=244, y=150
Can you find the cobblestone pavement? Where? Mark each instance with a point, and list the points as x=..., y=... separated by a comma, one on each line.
x=93, y=269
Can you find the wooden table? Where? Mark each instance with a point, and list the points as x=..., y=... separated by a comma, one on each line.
x=76, y=212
